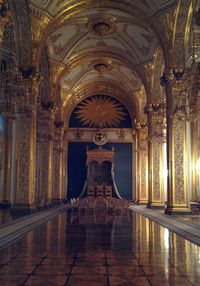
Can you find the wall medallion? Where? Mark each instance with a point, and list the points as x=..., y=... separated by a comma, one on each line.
x=100, y=137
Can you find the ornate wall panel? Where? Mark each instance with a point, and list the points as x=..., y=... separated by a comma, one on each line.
x=44, y=157
x=143, y=172
x=179, y=195
x=26, y=160
x=57, y=165
x=156, y=170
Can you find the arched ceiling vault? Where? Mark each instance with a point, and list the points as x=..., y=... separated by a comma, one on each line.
x=103, y=87
x=97, y=43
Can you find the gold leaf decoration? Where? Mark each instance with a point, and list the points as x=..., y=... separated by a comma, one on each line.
x=100, y=111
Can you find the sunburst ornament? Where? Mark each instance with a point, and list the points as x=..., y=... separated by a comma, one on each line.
x=100, y=111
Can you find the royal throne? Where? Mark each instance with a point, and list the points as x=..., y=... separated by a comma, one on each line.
x=100, y=174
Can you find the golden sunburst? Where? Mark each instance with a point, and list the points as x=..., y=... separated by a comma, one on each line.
x=100, y=111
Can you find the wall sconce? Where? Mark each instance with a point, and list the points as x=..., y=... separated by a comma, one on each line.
x=27, y=73
x=139, y=125
x=163, y=80
x=152, y=107
x=156, y=107
x=178, y=73
x=46, y=105
x=4, y=9
x=175, y=74
x=59, y=123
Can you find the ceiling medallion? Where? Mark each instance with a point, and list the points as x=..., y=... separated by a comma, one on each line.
x=101, y=26
x=101, y=66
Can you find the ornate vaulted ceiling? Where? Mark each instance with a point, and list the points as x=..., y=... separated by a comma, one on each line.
x=97, y=46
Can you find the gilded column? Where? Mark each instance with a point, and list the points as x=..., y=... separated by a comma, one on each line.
x=149, y=111
x=177, y=145
x=7, y=110
x=24, y=198
x=195, y=163
x=156, y=140
x=57, y=166
x=143, y=168
x=25, y=186
x=44, y=159
x=64, y=173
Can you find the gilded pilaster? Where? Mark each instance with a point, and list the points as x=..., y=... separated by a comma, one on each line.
x=7, y=110
x=194, y=157
x=178, y=191
x=44, y=159
x=24, y=199
x=5, y=197
x=155, y=143
x=180, y=195
x=57, y=165
x=143, y=169
x=64, y=173
x=25, y=187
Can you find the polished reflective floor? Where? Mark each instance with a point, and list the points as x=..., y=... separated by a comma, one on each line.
x=125, y=249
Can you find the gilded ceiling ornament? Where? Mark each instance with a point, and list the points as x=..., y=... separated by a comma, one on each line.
x=39, y=22
x=101, y=66
x=100, y=111
x=56, y=68
x=101, y=26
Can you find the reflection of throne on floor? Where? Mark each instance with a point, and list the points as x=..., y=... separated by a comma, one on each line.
x=100, y=174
